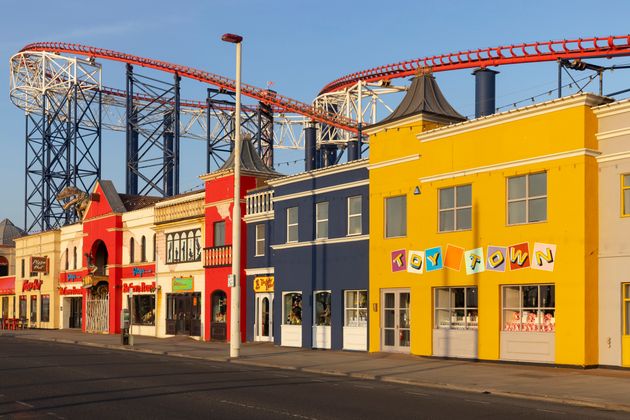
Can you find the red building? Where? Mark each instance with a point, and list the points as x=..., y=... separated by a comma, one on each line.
x=219, y=188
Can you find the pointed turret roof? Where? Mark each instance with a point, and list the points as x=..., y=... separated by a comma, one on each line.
x=423, y=97
x=8, y=232
x=250, y=161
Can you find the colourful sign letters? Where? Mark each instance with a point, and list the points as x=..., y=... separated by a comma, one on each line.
x=434, y=258
x=415, y=262
x=399, y=260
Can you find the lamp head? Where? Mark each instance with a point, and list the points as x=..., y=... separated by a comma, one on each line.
x=232, y=38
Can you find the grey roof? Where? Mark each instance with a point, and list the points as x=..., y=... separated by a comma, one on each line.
x=112, y=196
x=250, y=161
x=8, y=232
x=423, y=97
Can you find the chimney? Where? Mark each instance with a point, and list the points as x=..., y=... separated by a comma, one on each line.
x=485, y=90
x=310, y=144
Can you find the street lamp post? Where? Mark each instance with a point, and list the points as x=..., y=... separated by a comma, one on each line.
x=235, y=302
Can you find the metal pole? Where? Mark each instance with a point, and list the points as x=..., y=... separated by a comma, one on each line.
x=559, y=78
x=235, y=304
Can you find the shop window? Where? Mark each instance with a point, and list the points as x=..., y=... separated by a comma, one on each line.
x=455, y=208
x=321, y=220
x=354, y=215
x=67, y=264
x=74, y=259
x=322, y=308
x=292, y=310
x=292, y=224
x=625, y=195
x=356, y=309
x=5, y=307
x=456, y=308
x=132, y=247
x=626, y=309
x=22, y=312
x=219, y=234
x=527, y=198
x=143, y=249
x=184, y=246
x=260, y=240
x=396, y=216
x=45, y=308
x=529, y=308
x=33, y=316
x=142, y=309
x=219, y=306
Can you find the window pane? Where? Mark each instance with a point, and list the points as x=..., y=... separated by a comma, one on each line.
x=260, y=232
x=626, y=180
x=547, y=296
x=322, y=308
x=472, y=319
x=351, y=299
x=354, y=225
x=516, y=212
x=442, y=298
x=396, y=214
x=292, y=215
x=510, y=297
x=627, y=287
x=537, y=184
x=442, y=318
x=627, y=331
x=511, y=320
x=260, y=248
x=447, y=220
x=322, y=210
x=389, y=300
x=293, y=308
x=292, y=234
x=471, y=297
x=530, y=296
x=516, y=187
x=322, y=229
x=354, y=205
x=363, y=299
x=219, y=235
x=464, y=195
x=457, y=297
x=389, y=337
x=464, y=218
x=626, y=201
x=537, y=210
x=447, y=198
x=352, y=318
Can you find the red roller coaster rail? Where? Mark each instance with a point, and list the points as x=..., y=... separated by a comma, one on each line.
x=597, y=47
x=610, y=46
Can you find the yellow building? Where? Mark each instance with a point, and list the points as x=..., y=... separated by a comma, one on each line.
x=466, y=219
x=37, y=279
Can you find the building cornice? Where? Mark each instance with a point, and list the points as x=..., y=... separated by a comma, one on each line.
x=396, y=161
x=317, y=173
x=259, y=217
x=330, y=241
x=321, y=190
x=256, y=271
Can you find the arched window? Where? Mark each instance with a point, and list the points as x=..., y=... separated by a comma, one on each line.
x=154, y=247
x=143, y=249
x=67, y=259
x=131, y=250
x=75, y=258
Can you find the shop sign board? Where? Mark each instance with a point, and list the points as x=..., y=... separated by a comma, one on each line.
x=263, y=284
x=69, y=291
x=540, y=256
x=139, y=288
x=183, y=284
x=29, y=286
x=39, y=264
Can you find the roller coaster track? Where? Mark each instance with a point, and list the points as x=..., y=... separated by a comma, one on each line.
x=610, y=46
x=277, y=101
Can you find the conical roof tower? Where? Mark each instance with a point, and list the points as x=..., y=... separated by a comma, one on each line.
x=8, y=232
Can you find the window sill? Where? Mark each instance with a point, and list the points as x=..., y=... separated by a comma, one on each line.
x=526, y=223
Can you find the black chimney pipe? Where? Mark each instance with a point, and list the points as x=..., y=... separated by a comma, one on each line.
x=485, y=91
x=310, y=144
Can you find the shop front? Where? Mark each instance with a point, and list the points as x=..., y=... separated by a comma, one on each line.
x=139, y=299
x=456, y=316
x=7, y=300
x=263, y=308
x=291, y=328
x=71, y=305
x=183, y=308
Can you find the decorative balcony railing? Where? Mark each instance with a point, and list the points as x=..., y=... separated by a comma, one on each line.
x=258, y=203
x=217, y=256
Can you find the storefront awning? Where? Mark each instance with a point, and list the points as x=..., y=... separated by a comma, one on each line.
x=7, y=285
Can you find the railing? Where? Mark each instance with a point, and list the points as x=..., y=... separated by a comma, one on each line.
x=261, y=202
x=217, y=256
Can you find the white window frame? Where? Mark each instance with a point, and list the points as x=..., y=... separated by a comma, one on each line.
x=520, y=308
x=315, y=293
x=355, y=215
x=318, y=220
x=290, y=225
x=451, y=307
x=355, y=308
x=453, y=209
x=260, y=238
x=385, y=213
x=526, y=199
x=285, y=315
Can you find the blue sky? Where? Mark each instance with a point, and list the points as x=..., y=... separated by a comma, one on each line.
x=298, y=45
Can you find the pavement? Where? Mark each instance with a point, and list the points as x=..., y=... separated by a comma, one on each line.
x=601, y=388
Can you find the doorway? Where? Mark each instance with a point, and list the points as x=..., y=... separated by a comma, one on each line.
x=183, y=314
x=263, y=325
x=76, y=312
x=218, y=322
x=395, y=320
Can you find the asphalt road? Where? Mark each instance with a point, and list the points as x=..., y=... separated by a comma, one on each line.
x=51, y=380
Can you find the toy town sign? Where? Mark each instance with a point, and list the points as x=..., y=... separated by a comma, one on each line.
x=28, y=286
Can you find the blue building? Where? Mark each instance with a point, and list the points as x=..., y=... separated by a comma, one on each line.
x=307, y=262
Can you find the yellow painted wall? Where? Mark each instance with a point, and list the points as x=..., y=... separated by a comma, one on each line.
x=563, y=126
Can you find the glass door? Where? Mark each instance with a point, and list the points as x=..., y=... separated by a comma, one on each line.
x=263, y=329
x=395, y=320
